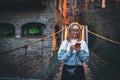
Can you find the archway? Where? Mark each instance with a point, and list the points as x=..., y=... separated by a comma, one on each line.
x=33, y=29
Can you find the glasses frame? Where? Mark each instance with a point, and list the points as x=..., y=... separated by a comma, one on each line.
x=73, y=30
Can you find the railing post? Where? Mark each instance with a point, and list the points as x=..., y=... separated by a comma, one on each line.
x=42, y=58
x=50, y=45
x=25, y=47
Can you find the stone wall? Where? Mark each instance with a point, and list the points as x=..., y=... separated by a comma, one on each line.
x=36, y=54
x=104, y=22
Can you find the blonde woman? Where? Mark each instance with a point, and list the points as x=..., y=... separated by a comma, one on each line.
x=73, y=52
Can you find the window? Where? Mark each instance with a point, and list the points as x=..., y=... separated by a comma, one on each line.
x=32, y=29
x=7, y=30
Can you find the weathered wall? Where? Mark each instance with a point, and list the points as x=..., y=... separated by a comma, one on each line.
x=36, y=54
x=104, y=22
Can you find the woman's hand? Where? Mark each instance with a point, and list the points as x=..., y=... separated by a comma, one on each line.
x=77, y=48
x=73, y=47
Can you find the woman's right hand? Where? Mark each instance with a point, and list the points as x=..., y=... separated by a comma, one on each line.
x=72, y=47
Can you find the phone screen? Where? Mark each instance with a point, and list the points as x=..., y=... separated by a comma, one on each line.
x=77, y=44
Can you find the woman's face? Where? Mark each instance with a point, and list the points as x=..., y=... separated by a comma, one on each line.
x=75, y=31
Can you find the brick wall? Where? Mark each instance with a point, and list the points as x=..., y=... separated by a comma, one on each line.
x=38, y=53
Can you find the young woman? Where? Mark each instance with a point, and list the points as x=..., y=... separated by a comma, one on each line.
x=73, y=52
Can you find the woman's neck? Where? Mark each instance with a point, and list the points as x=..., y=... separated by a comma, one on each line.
x=73, y=38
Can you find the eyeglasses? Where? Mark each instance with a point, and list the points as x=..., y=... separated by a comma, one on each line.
x=75, y=30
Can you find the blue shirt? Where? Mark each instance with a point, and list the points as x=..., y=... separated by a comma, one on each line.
x=73, y=57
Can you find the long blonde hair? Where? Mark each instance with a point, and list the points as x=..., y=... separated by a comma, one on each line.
x=70, y=28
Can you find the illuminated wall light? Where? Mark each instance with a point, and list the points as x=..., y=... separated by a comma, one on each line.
x=103, y=3
x=66, y=30
x=66, y=20
x=92, y=0
x=54, y=42
x=83, y=33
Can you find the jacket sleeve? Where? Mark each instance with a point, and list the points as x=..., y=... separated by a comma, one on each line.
x=63, y=55
x=83, y=54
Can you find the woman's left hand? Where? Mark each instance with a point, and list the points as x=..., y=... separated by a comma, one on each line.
x=77, y=48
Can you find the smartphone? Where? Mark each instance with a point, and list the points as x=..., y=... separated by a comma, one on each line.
x=77, y=44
